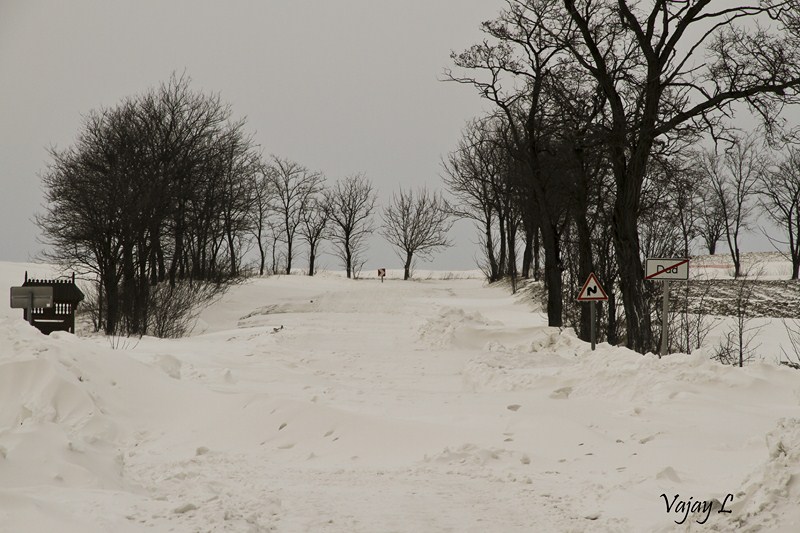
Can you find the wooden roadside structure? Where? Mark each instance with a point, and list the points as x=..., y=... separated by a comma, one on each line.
x=61, y=315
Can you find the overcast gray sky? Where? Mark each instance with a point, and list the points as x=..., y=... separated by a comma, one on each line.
x=340, y=86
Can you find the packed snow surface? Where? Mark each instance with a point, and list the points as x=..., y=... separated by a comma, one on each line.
x=332, y=405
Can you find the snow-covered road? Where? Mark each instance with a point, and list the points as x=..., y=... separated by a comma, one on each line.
x=325, y=404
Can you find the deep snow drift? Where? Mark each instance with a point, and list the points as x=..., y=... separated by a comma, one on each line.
x=325, y=404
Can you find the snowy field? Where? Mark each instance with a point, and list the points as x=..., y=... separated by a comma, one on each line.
x=331, y=405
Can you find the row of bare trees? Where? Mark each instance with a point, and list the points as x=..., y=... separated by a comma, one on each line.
x=747, y=180
x=154, y=190
x=294, y=205
x=166, y=191
x=591, y=150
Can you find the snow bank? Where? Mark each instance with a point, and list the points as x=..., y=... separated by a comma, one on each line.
x=770, y=497
x=455, y=327
x=72, y=414
x=559, y=357
x=48, y=415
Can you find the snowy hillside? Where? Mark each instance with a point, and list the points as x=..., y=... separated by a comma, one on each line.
x=330, y=405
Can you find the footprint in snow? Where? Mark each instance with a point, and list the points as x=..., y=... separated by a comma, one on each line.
x=185, y=508
x=561, y=394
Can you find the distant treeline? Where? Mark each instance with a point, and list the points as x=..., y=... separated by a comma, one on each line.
x=161, y=197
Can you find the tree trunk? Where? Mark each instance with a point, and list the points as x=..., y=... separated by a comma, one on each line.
x=527, y=253
x=263, y=256
x=512, y=253
x=737, y=261
x=552, y=275
x=178, y=253
x=511, y=230
x=231, y=251
x=162, y=270
x=311, y=256
x=289, y=255
x=112, y=303
x=129, y=290
x=501, y=263
x=348, y=259
x=585, y=267
x=142, y=301
x=536, y=246
x=152, y=266
x=407, y=267
x=156, y=256
x=631, y=273
x=100, y=307
x=611, y=326
x=493, y=274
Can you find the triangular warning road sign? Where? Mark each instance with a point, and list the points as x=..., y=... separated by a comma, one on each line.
x=592, y=291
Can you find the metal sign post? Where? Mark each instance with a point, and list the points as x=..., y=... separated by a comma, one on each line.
x=592, y=292
x=664, y=270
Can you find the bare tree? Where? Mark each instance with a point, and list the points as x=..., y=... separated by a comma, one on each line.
x=82, y=226
x=237, y=194
x=644, y=56
x=737, y=346
x=294, y=186
x=689, y=321
x=780, y=197
x=711, y=218
x=686, y=199
x=660, y=219
x=274, y=228
x=175, y=308
x=262, y=187
x=734, y=176
x=490, y=187
x=350, y=203
x=513, y=70
x=791, y=355
x=417, y=224
x=470, y=172
x=314, y=227
x=155, y=190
